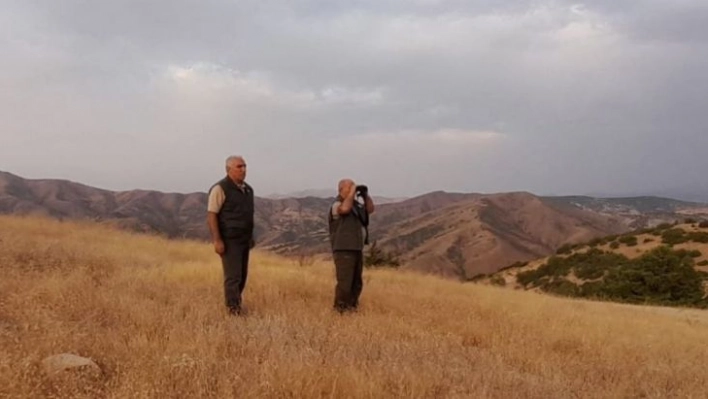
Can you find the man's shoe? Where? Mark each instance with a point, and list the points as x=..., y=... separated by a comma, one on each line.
x=234, y=311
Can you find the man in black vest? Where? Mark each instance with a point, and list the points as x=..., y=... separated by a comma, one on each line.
x=230, y=218
x=348, y=233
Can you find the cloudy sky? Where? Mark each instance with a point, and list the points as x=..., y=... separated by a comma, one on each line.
x=409, y=96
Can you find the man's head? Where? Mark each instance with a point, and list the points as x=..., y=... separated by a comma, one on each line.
x=344, y=187
x=236, y=168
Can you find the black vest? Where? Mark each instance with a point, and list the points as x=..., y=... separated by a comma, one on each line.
x=236, y=214
x=348, y=232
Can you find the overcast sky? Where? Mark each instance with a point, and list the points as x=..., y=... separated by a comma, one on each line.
x=409, y=96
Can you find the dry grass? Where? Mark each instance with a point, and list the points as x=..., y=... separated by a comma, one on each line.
x=150, y=313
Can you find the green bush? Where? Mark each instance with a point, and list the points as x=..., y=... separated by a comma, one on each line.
x=629, y=241
x=561, y=286
x=565, y=249
x=614, y=245
x=703, y=224
x=590, y=289
x=377, y=257
x=498, y=280
x=595, y=242
x=646, y=240
x=527, y=277
x=695, y=253
x=698, y=236
x=514, y=265
x=477, y=277
x=595, y=264
x=662, y=276
x=674, y=237
x=702, y=263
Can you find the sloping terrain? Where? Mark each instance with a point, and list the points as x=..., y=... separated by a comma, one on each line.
x=453, y=234
x=152, y=319
x=278, y=222
x=481, y=234
x=666, y=265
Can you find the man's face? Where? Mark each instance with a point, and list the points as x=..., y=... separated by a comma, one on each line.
x=237, y=170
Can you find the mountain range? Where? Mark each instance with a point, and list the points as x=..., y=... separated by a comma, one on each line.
x=328, y=193
x=459, y=235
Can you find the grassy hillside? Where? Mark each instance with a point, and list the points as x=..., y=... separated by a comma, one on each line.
x=665, y=265
x=149, y=312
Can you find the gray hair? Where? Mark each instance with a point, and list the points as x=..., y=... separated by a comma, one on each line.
x=230, y=159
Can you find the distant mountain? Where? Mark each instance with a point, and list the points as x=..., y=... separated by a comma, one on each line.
x=319, y=193
x=169, y=214
x=452, y=234
x=462, y=235
x=325, y=193
x=637, y=212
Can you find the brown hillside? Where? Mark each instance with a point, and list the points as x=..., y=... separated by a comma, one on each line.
x=486, y=233
x=453, y=234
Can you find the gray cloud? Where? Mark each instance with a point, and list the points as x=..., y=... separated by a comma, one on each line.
x=549, y=96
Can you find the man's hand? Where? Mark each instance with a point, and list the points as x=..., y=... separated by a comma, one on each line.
x=349, y=191
x=219, y=247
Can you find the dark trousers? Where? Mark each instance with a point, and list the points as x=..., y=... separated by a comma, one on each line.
x=235, y=264
x=349, y=267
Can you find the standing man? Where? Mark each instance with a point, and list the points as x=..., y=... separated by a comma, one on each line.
x=230, y=218
x=348, y=233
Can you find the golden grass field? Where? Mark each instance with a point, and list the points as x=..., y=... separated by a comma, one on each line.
x=150, y=313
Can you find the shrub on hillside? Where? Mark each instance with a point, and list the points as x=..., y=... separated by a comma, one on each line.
x=561, y=286
x=661, y=276
x=305, y=258
x=565, y=249
x=377, y=257
x=527, y=277
x=629, y=241
x=594, y=264
x=596, y=241
x=477, y=277
x=658, y=230
x=614, y=245
x=702, y=263
x=703, y=224
x=514, y=265
x=692, y=253
x=674, y=236
x=698, y=236
x=498, y=280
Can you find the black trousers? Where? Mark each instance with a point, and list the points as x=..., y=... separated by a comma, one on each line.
x=349, y=267
x=235, y=265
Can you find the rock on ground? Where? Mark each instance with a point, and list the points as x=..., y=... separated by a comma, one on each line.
x=56, y=364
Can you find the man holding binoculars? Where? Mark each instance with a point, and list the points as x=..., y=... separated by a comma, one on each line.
x=348, y=233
